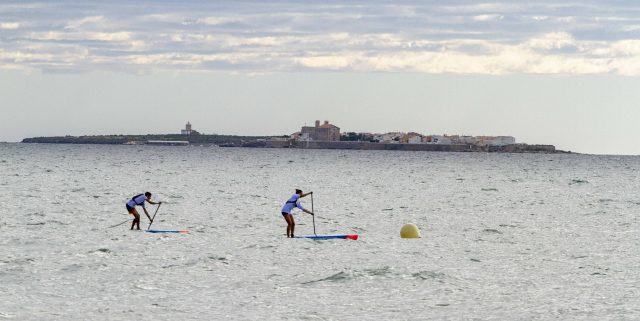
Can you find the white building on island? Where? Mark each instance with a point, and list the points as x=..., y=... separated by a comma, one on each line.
x=188, y=130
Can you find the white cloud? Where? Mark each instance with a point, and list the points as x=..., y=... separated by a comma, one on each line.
x=614, y=19
x=480, y=7
x=86, y=21
x=9, y=25
x=161, y=17
x=218, y=20
x=554, y=40
x=10, y=66
x=347, y=52
x=119, y=36
x=431, y=38
x=108, y=36
x=488, y=17
x=629, y=66
x=17, y=57
x=630, y=28
x=567, y=19
x=508, y=61
x=255, y=41
x=625, y=48
x=329, y=62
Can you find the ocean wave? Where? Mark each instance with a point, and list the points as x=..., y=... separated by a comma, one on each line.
x=385, y=272
x=576, y=181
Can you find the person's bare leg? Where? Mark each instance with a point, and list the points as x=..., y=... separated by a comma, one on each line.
x=293, y=225
x=136, y=218
x=290, y=224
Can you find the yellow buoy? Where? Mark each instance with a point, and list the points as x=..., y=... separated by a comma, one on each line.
x=410, y=231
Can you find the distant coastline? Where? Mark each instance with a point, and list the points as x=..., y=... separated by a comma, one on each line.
x=282, y=141
x=359, y=145
x=199, y=139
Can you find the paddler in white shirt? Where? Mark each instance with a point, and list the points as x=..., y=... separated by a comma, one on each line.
x=293, y=202
x=139, y=200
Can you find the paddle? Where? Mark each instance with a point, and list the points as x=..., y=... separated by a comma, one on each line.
x=313, y=216
x=154, y=215
x=118, y=224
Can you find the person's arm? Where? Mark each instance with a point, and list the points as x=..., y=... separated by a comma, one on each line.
x=298, y=205
x=146, y=213
x=154, y=203
x=303, y=195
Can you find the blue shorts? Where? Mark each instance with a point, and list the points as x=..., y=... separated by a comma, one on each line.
x=285, y=213
x=129, y=208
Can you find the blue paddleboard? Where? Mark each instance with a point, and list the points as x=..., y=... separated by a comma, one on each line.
x=168, y=231
x=328, y=237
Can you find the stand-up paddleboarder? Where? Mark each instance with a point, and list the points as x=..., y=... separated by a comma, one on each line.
x=139, y=200
x=293, y=202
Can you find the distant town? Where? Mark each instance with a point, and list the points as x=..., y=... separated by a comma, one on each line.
x=320, y=136
x=330, y=132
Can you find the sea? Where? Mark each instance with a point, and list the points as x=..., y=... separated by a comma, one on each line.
x=504, y=236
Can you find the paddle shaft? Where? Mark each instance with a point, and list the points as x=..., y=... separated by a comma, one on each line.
x=118, y=224
x=313, y=216
x=154, y=216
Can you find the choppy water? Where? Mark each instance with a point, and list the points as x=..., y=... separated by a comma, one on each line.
x=505, y=236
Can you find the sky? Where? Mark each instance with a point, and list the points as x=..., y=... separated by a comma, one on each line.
x=566, y=74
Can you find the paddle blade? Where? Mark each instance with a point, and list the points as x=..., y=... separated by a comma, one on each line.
x=352, y=236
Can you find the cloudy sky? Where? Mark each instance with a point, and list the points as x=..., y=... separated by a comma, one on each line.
x=546, y=72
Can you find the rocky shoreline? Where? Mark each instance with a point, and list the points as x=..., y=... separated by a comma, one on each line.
x=513, y=148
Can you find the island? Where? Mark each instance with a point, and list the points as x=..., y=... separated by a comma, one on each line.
x=320, y=136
